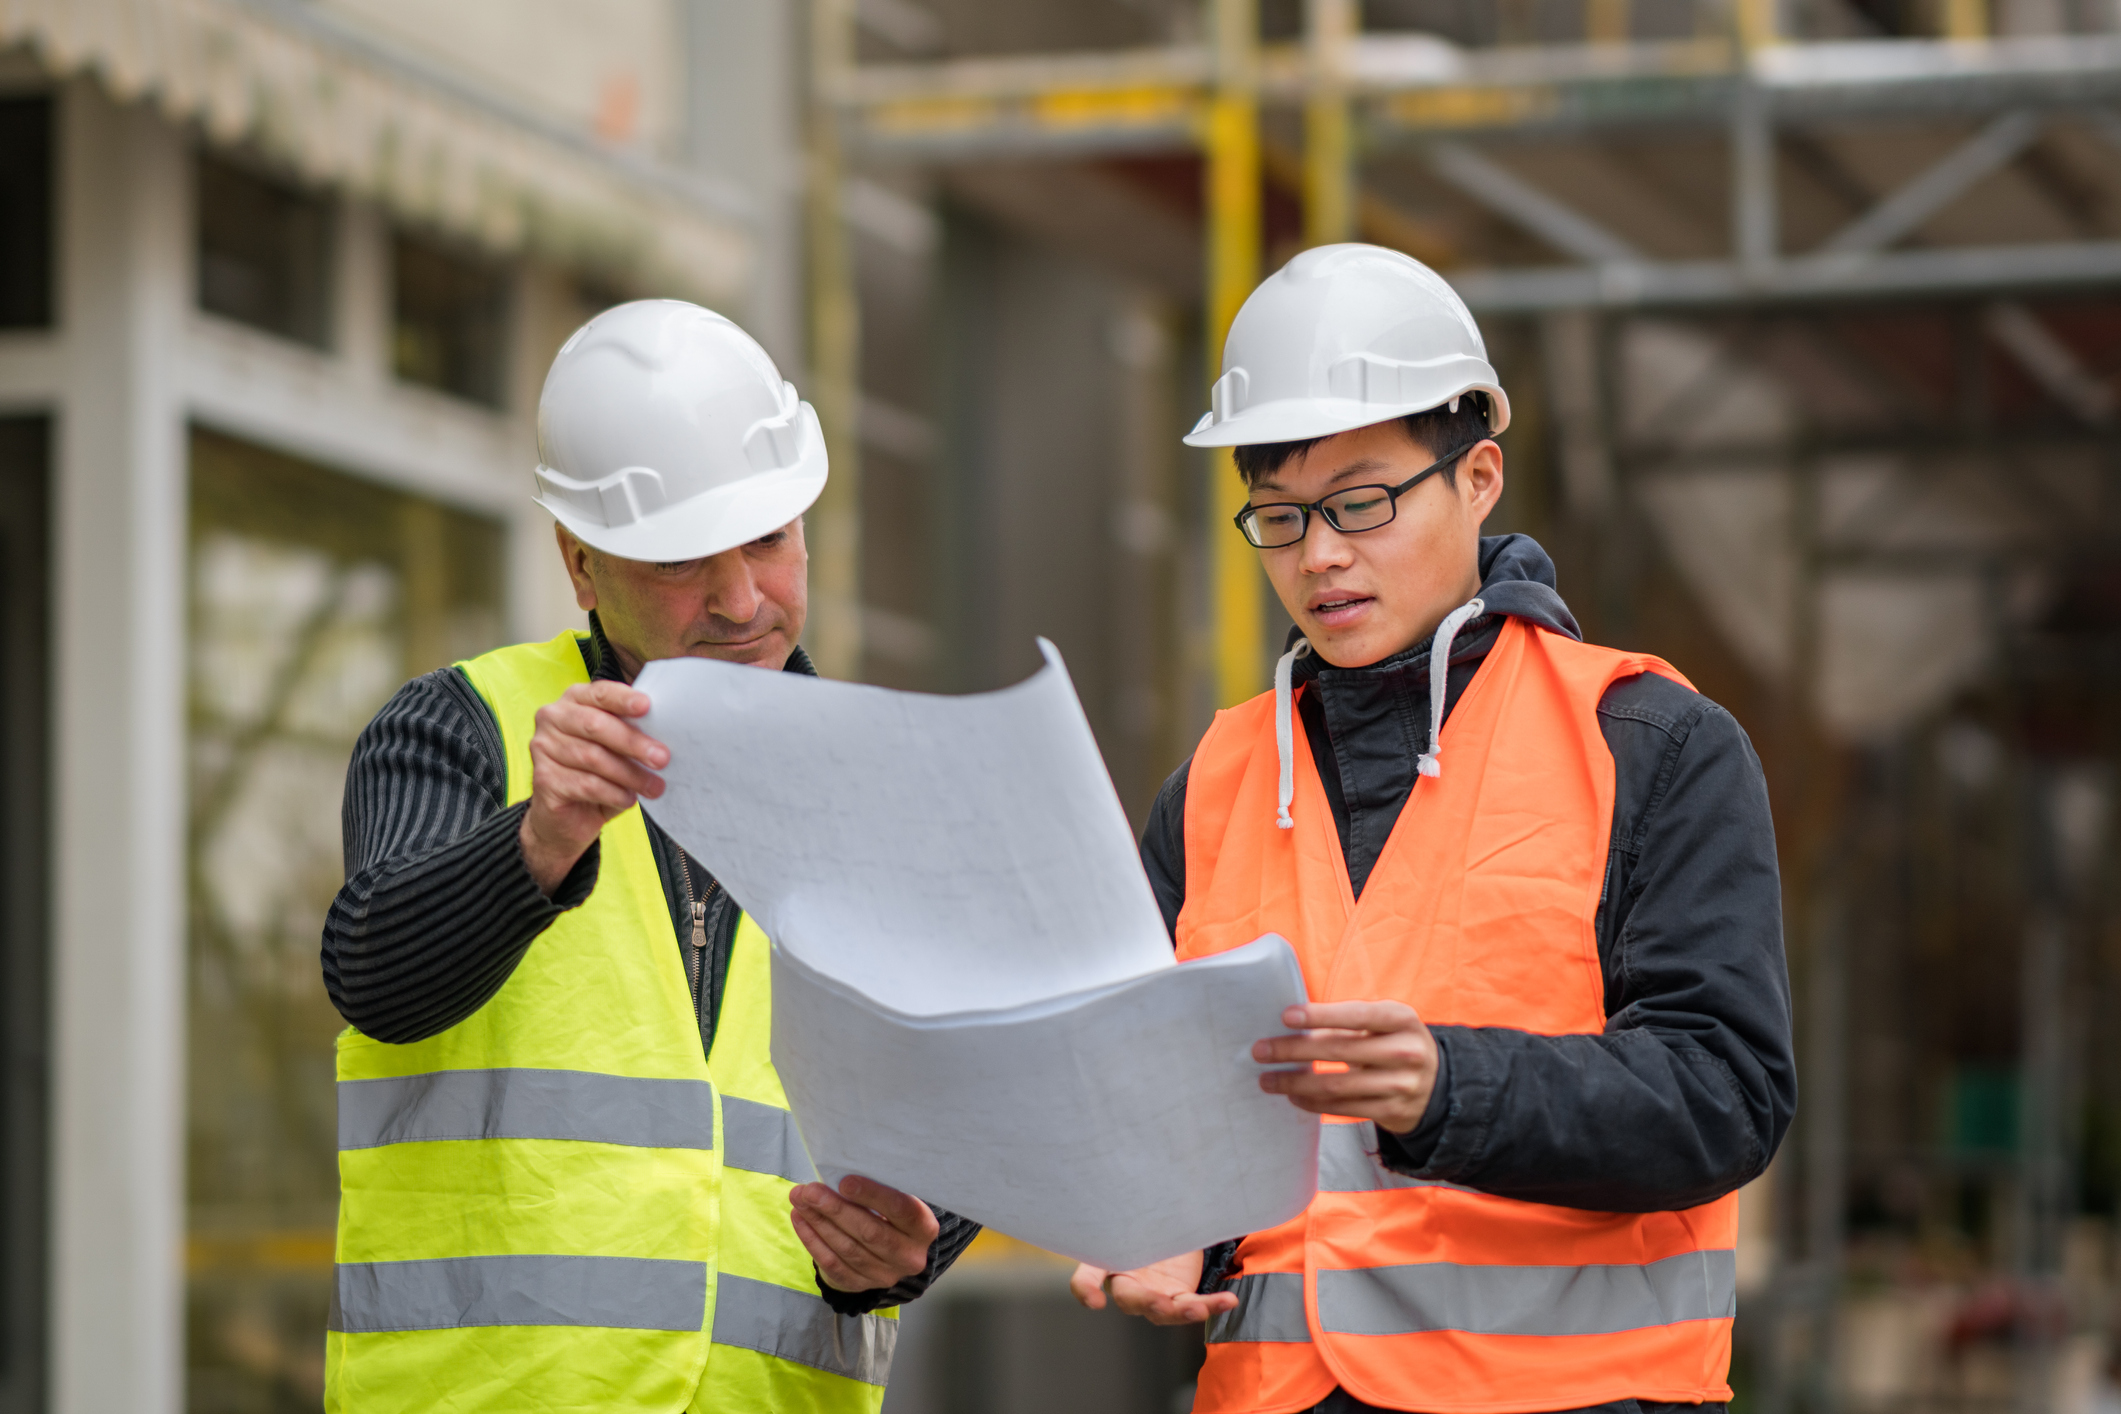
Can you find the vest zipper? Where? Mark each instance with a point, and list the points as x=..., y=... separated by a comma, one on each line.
x=697, y=907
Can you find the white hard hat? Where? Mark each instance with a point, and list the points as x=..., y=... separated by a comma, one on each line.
x=666, y=433
x=1341, y=337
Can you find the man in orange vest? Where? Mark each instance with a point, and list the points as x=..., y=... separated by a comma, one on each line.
x=1532, y=884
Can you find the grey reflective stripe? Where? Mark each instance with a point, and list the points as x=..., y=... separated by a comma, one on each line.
x=799, y=1326
x=526, y=1104
x=763, y=1139
x=1497, y=1300
x=1270, y=1306
x=1348, y=1163
x=631, y=1293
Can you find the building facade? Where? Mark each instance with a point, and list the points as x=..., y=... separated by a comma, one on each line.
x=278, y=286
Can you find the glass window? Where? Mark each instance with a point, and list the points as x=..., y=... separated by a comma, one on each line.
x=313, y=597
x=24, y=820
x=25, y=213
x=451, y=308
x=264, y=251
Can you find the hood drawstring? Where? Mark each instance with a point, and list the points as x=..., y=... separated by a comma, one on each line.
x=1284, y=699
x=1439, y=680
x=1284, y=732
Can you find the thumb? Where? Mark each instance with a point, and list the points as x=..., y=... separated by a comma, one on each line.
x=1087, y=1285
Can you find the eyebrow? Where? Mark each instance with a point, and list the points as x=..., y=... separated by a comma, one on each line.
x=1364, y=467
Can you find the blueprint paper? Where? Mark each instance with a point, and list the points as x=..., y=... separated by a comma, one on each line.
x=974, y=996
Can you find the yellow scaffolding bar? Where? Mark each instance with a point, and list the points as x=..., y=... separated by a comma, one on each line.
x=1329, y=151
x=1231, y=140
x=1606, y=21
x=1966, y=19
x=1758, y=24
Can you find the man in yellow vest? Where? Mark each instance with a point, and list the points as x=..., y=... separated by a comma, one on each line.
x=1532, y=884
x=569, y=1177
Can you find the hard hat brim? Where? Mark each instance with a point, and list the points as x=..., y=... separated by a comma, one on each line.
x=1301, y=419
x=707, y=524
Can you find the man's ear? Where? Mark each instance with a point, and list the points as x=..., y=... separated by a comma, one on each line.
x=575, y=555
x=1481, y=478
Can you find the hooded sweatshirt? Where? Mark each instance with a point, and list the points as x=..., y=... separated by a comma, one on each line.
x=1689, y=1089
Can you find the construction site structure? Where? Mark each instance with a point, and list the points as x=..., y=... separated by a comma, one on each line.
x=1812, y=312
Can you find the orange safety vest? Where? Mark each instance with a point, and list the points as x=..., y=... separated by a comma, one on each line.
x=1481, y=911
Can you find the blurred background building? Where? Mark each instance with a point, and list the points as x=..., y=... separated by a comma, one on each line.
x=1810, y=311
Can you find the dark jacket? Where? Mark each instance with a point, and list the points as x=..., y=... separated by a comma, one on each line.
x=1691, y=1086
x=438, y=906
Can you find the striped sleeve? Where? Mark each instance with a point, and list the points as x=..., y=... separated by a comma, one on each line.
x=438, y=906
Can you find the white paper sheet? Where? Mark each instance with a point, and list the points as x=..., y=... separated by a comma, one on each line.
x=974, y=996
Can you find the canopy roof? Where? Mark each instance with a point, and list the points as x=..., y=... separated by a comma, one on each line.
x=344, y=110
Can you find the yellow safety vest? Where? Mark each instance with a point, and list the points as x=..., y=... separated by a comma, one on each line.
x=559, y=1203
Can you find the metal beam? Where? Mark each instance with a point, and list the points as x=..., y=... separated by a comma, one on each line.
x=1414, y=88
x=1503, y=191
x=2052, y=364
x=1755, y=219
x=1944, y=183
x=1891, y=275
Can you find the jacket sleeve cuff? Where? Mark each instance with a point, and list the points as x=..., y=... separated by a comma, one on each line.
x=1217, y=1266
x=1464, y=1113
x=1412, y=1152
x=581, y=880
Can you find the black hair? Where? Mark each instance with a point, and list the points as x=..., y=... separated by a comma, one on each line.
x=1437, y=430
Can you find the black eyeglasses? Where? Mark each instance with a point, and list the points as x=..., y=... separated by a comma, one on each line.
x=1350, y=510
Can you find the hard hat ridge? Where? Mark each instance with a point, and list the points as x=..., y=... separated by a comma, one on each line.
x=666, y=433
x=1341, y=337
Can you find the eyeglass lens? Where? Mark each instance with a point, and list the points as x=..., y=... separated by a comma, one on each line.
x=1357, y=508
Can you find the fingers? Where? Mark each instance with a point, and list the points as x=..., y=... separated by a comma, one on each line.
x=1328, y=1088
x=588, y=764
x=558, y=786
x=856, y=1249
x=1351, y=1016
x=1366, y=1060
x=1396, y=1100
x=1353, y=1033
x=1164, y=1293
x=838, y=1273
x=1087, y=1286
x=1354, y=1048
x=599, y=710
x=614, y=697
x=593, y=753
x=903, y=1211
x=1136, y=1297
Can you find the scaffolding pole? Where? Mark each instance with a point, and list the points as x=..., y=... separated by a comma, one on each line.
x=1231, y=141
x=1329, y=150
x=834, y=525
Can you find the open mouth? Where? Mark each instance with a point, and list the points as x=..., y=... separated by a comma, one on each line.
x=1340, y=610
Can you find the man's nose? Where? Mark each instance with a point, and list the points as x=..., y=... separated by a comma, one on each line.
x=732, y=589
x=1322, y=548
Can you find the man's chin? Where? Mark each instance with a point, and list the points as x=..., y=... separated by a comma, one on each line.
x=1355, y=649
